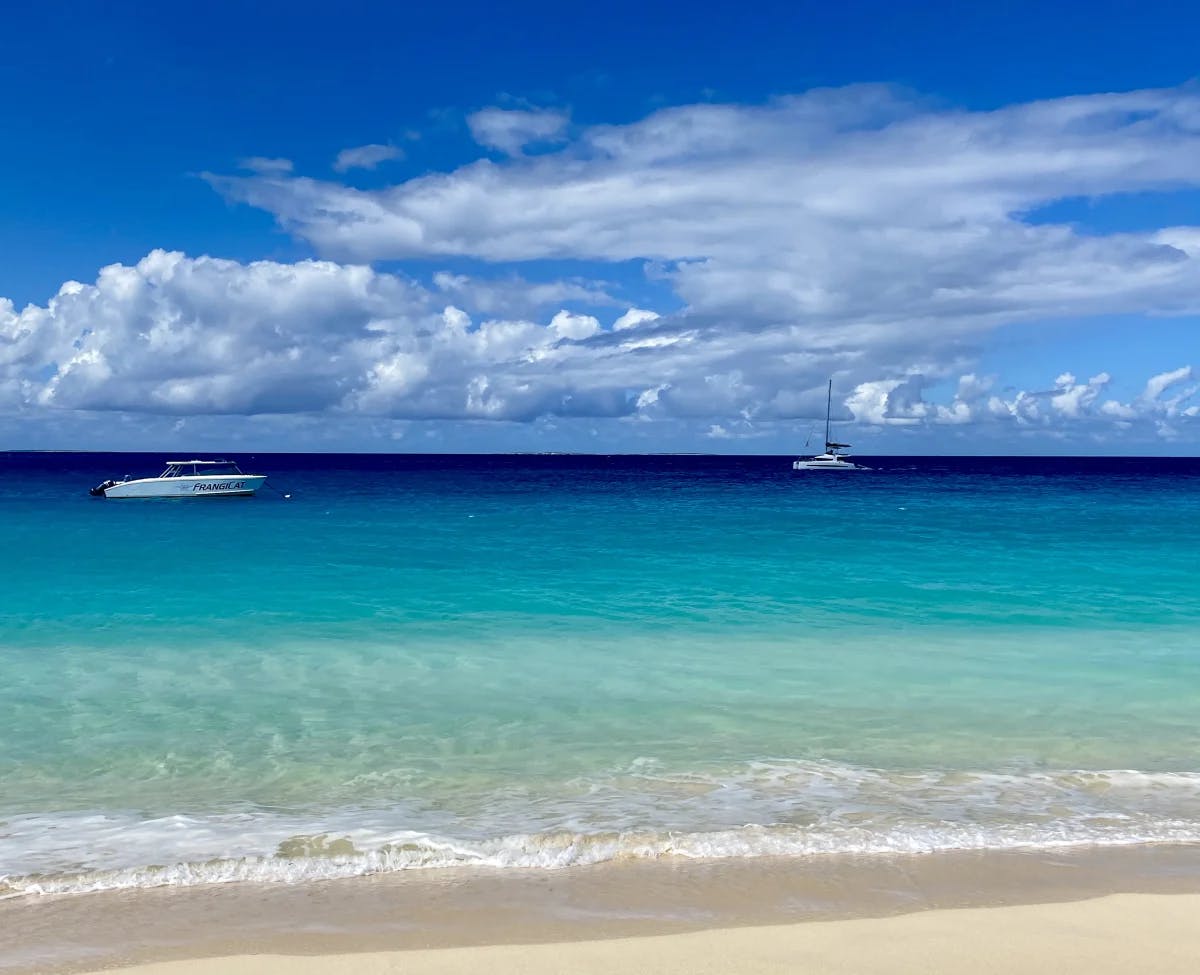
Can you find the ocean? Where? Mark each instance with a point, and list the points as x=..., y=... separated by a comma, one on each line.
x=496, y=662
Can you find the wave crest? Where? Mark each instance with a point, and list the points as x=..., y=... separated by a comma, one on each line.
x=640, y=812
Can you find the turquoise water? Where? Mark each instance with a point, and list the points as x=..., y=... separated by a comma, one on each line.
x=548, y=661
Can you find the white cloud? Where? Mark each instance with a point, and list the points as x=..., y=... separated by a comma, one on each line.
x=1119, y=411
x=511, y=130
x=365, y=157
x=1157, y=385
x=633, y=318
x=512, y=295
x=852, y=231
x=855, y=232
x=184, y=336
x=648, y=399
x=571, y=326
x=895, y=402
x=177, y=337
x=1073, y=399
x=1068, y=406
x=854, y=215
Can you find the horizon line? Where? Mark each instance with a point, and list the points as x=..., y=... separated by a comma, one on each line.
x=573, y=453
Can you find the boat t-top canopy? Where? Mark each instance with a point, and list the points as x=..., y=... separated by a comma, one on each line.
x=200, y=468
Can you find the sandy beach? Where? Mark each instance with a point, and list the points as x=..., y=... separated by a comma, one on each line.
x=1115, y=934
x=1095, y=911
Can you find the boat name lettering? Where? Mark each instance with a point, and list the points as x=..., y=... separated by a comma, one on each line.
x=219, y=486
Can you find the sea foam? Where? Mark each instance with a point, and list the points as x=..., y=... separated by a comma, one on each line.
x=804, y=809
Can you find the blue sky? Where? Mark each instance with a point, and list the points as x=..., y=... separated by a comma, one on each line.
x=900, y=198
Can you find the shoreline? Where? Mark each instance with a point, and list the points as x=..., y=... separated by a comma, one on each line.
x=348, y=922
x=1112, y=935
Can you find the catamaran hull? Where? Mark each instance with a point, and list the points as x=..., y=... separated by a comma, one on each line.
x=215, y=486
x=825, y=465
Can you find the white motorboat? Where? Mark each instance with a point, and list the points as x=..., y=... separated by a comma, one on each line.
x=832, y=459
x=186, y=479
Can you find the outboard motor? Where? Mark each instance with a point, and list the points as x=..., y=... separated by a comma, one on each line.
x=99, y=489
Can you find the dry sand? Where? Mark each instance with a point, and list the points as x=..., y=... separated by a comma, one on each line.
x=1123, y=933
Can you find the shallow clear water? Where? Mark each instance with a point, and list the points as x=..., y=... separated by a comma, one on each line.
x=421, y=661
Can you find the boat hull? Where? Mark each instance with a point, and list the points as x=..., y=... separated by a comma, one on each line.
x=825, y=465
x=200, y=486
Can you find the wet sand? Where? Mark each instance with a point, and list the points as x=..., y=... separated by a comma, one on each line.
x=662, y=916
x=1110, y=936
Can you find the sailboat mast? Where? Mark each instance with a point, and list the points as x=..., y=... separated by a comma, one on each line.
x=828, y=405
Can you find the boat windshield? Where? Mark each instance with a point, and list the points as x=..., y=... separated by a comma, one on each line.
x=205, y=468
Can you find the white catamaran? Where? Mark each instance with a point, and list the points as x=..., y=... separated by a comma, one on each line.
x=831, y=460
x=186, y=479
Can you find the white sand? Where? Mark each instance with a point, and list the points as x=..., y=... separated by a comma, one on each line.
x=1129, y=934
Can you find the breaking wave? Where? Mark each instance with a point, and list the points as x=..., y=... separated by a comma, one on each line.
x=763, y=809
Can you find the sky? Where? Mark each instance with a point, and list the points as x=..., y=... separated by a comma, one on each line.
x=635, y=227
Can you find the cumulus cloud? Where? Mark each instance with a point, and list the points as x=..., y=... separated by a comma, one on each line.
x=511, y=130
x=888, y=402
x=635, y=317
x=177, y=337
x=183, y=336
x=572, y=326
x=1157, y=385
x=174, y=335
x=365, y=157
x=1067, y=406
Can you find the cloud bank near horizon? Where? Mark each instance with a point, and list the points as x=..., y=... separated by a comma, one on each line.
x=176, y=336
